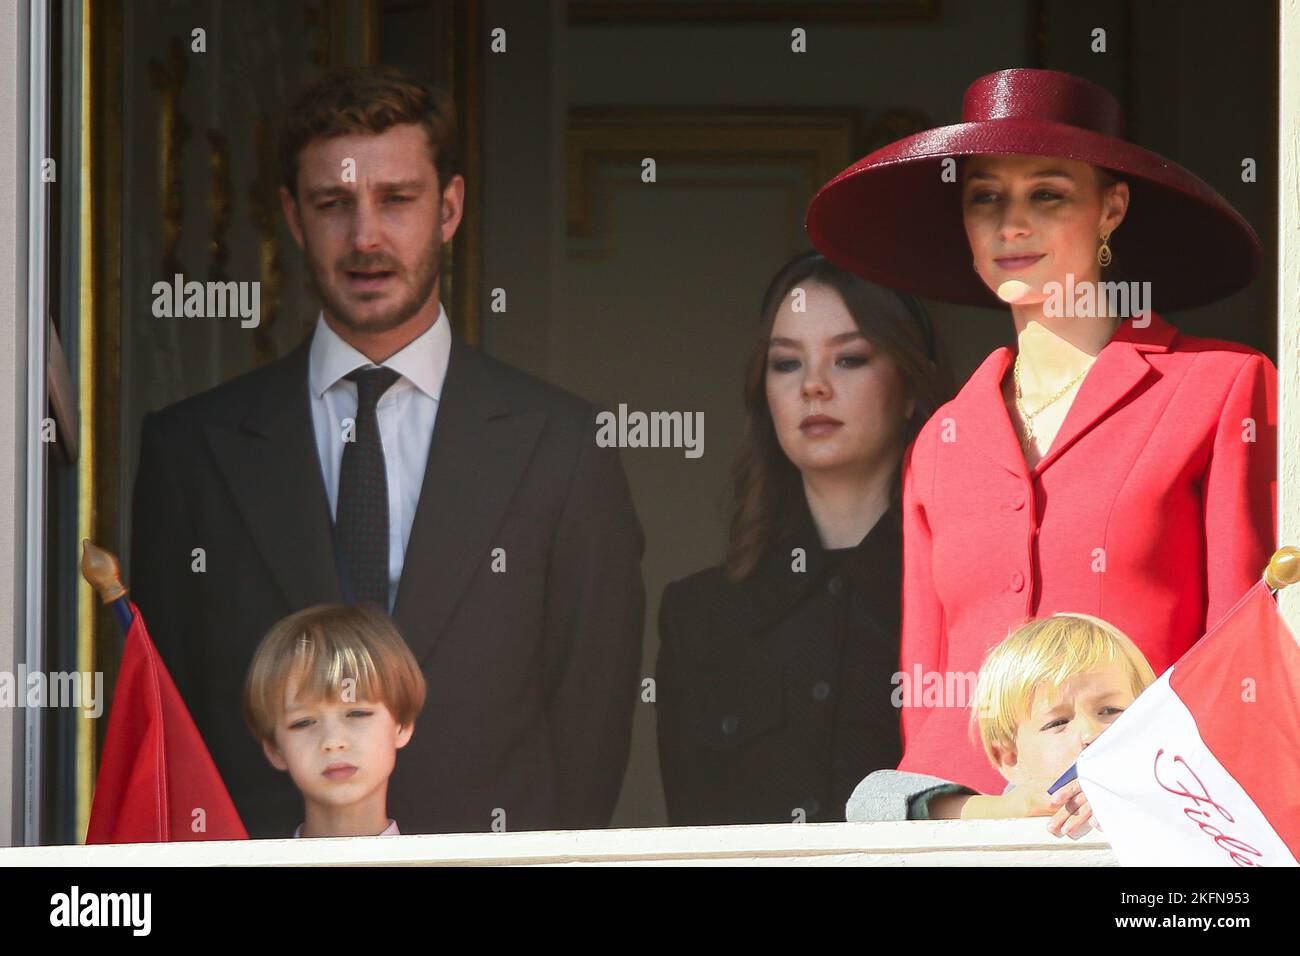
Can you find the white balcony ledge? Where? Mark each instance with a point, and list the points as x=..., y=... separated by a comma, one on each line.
x=918, y=843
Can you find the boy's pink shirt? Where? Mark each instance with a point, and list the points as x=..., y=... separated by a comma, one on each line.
x=390, y=830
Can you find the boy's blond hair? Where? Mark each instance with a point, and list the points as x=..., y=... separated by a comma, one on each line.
x=1050, y=651
x=322, y=646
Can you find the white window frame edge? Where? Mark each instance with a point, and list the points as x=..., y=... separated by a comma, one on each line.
x=915, y=843
x=37, y=403
x=1288, y=294
x=13, y=319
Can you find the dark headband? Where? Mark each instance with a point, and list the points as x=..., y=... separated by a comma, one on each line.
x=915, y=308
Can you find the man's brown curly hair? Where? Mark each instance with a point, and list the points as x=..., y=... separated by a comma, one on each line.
x=369, y=99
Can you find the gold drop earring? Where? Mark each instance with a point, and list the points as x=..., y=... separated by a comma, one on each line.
x=1103, y=252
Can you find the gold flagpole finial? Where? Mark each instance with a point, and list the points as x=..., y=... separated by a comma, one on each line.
x=1283, y=569
x=100, y=570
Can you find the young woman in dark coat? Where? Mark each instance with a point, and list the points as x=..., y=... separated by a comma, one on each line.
x=774, y=678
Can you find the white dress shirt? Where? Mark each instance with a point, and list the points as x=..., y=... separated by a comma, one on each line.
x=406, y=414
x=390, y=830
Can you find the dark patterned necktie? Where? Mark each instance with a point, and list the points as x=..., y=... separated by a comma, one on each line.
x=361, y=517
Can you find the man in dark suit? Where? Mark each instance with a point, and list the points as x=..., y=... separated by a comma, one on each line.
x=385, y=460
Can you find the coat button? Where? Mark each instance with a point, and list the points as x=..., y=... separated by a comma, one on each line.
x=821, y=690
x=730, y=723
x=1017, y=581
x=1017, y=501
x=835, y=585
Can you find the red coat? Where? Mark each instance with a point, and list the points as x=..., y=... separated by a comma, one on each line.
x=1152, y=510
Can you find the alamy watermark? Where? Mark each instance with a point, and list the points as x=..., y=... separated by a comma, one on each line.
x=132, y=910
x=1085, y=300
x=922, y=688
x=651, y=430
x=208, y=300
x=78, y=689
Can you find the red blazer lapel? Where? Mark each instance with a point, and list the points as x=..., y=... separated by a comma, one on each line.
x=1120, y=368
x=980, y=418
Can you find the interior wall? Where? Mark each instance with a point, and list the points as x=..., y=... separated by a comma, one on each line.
x=1205, y=94
x=523, y=179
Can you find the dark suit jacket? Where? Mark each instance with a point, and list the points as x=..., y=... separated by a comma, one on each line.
x=773, y=694
x=532, y=673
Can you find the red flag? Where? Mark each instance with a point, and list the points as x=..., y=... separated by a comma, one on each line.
x=156, y=770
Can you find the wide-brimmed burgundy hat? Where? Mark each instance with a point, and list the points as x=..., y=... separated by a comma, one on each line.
x=891, y=218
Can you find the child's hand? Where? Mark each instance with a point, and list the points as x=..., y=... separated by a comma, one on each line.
x=1029, y=799
x=1072, y=814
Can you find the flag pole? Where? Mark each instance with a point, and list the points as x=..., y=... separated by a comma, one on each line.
x=1283, y=569
x=101, y=571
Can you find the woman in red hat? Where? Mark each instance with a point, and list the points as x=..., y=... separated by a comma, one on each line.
x=1105, y=465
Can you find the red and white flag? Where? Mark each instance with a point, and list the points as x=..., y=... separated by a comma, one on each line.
x=1204, y=768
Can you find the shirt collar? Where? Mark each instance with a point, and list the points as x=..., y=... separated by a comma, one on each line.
x=390, y=830
x=423, y=361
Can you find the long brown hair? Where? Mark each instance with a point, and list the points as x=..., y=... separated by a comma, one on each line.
x=763, y=479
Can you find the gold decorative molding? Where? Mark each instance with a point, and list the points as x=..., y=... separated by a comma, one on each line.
x=218, y=204
x=370, y=30
x=779, y=12
x=328, y=19
x=99, y=347
x=264, y=212
x=462, y=274
x=336, y=23
x=792, y=187
x=894, y=124
x=819, y=142
x=168, y=78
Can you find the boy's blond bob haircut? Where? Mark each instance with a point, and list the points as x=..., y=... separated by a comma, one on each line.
x=320, y=647
x=1047, y=651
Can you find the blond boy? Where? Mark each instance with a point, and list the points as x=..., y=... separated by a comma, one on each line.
x=1043, y=694
x=332, y=694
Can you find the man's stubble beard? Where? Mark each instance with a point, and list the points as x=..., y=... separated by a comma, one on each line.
x=427, y=271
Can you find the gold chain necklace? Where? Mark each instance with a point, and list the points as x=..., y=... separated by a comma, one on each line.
x=1029, y=416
